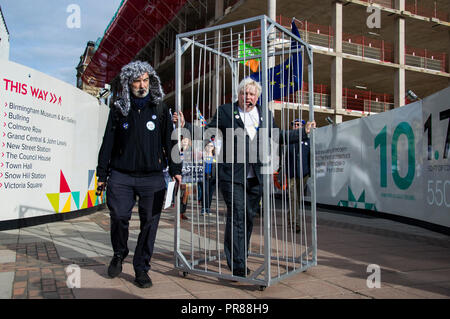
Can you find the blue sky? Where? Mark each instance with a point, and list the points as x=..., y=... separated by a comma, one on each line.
x=41, y=39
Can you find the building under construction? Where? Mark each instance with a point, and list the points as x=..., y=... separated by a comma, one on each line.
x=367, y=53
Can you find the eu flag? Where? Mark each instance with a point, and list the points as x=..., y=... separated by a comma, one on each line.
x=286, y=78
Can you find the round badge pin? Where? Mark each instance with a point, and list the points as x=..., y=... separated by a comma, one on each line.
x=150, y=125
x=154, y=116
x=237, y=117
x=125, y=126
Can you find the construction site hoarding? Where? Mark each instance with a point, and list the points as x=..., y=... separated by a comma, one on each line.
x=395, y=162
x=50, y=135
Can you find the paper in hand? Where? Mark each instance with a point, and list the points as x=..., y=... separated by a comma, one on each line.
x=169, y=194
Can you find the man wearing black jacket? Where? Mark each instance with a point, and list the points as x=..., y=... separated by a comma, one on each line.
x=136, y=147
x=297, y=169
x=240, y=170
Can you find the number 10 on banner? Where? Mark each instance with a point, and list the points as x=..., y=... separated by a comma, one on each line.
x=381, y=141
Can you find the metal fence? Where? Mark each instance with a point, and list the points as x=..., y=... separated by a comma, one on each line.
x=217, y=59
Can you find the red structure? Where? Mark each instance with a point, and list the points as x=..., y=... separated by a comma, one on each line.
x=136, y=23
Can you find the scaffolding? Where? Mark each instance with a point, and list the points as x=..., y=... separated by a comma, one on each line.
x=217, y=59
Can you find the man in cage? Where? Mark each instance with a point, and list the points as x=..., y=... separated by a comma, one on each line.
x=135, y=150
x=240, y=178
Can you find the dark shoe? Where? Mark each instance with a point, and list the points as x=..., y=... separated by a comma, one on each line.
x=241, y=272
x=183, y=217
x=115, y=266
x=142, y=280
x=183, y=208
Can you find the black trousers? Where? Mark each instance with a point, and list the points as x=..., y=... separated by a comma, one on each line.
x=121, y=195
x=209, y=187
x=239, y=222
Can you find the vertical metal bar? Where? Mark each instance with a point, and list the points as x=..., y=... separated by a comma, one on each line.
x=202, y=148
x=203, y=169
x=192, y=117
x=178, y=108
x=197, y=106
x=265, y=136
x=233, y=96
x=245, y=153
x=216, y=150
x=312, y=159
x=302, y=211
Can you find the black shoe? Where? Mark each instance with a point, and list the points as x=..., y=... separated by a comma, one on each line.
x=115, y=266
x=241, y=272
x=142, y=280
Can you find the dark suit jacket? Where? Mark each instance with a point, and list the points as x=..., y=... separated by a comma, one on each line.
x=227, y=116
x=294, y=158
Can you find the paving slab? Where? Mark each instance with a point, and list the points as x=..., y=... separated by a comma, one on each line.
x=414, y=263
x=7, y=256
x=6, y=284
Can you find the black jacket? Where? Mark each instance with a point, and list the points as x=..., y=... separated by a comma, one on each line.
x=139, y=144
x=294, y=158
x=227, y=116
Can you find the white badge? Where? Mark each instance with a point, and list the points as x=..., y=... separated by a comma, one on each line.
x=154, y=116
x=150, y=125
x=237, y=117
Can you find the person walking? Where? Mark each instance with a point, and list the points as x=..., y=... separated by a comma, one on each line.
x=135, y=150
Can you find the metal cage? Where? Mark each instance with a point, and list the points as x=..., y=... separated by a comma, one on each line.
x=209, y=65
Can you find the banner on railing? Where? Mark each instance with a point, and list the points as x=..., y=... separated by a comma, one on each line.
x=395, y=162
x=50, y=135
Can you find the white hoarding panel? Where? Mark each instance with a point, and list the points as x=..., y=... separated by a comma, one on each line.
x=338, y=161
x=50, y=134
x=436, y=157
x=395, y=162
x=392, y=156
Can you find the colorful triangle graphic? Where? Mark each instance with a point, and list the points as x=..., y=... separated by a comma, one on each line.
x=85, y=202
x=362, y=197
x=90, y=175
x=66, y=207
x=351, y=197
x=63, y=186
x=76, y=199
x=54, y=201
x=92, y=197
x=89, y=203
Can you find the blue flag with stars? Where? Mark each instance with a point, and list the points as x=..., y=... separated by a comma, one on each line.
x=284, y=79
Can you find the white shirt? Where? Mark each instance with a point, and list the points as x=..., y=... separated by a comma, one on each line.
x=251, y=123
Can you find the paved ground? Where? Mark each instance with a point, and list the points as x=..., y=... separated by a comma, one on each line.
x=414, y=263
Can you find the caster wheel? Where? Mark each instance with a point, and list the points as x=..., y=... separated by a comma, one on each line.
x=262, y=288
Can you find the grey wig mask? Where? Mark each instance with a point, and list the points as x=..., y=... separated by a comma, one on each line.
x=128, y=74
